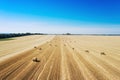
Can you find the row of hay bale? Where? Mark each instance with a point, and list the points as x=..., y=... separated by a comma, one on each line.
x=37, y=48
x=35, y=59
x=87, y=51
x=102, y=53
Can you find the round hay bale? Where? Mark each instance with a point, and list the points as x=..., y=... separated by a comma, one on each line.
x=35, y=47
x=40, y=49
x=102, y=53
x=35, y=59
x=87, y=51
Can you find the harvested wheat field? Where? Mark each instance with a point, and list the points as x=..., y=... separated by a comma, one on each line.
x=61, y=57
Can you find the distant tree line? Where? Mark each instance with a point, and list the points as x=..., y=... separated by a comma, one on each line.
x=67, y=34
x=10, y=35
x=93, y=34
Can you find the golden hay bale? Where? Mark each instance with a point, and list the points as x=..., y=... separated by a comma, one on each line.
x=40, y=49
x=87, y=51
x=35, y=47
x=35, y=59
x=73, y=48
x=102, y=53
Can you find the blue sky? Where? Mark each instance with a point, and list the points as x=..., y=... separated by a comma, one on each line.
x=60, y=16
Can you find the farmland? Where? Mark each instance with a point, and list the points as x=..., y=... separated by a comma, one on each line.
x=60, y=57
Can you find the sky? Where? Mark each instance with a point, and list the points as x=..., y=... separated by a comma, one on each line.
x=60, y=16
